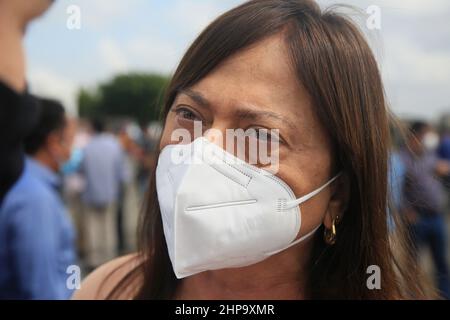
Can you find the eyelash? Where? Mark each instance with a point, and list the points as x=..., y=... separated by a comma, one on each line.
x=269, y=136
x=179, y=110
x=185, y=113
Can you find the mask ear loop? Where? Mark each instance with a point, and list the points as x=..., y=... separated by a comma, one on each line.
x=293, y=204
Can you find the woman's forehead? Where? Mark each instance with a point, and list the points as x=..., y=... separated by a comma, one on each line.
x=261, y=76
x=265, y=62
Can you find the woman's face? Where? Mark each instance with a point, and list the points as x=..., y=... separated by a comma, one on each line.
x=256, y=88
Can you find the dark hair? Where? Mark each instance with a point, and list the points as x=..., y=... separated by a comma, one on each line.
x=98, y=125
x=335, y=65
x=51, y=118
x=417, y=127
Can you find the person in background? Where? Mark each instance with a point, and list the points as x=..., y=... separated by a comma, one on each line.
x=444, y=148
x=36, y=233
x=17, y=108
x=147, y=161
x=130, y=149
x=443, y=153
x=74, y=184
x=104, y=171
x=396, y=177
x=424, y=198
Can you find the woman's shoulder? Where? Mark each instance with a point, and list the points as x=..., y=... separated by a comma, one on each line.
x=101, y=282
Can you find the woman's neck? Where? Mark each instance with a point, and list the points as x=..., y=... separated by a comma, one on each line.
x=282, y=276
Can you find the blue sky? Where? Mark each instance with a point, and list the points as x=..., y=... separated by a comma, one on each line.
x=412, y=47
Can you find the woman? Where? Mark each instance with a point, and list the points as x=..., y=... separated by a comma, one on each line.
x=273, y=64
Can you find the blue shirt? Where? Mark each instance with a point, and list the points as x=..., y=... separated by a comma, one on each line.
x=444, y=148
x=104, y=169
x=396, y=178
x=36, y=238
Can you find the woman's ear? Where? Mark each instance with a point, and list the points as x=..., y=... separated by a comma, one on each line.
x=340, y=195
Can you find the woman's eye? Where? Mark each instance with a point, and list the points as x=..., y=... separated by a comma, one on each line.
x=187, y=114
x=262, y=134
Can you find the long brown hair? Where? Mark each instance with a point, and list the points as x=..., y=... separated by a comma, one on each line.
x=334, y=63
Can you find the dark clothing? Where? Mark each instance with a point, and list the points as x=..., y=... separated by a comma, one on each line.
x=444, y=148
x=430, y=231
x=18, y=114
x=444, y=154
x=422, y=191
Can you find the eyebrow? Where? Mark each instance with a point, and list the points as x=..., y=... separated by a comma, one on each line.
x=196, y=96
x=244, y=112
x=251, y=114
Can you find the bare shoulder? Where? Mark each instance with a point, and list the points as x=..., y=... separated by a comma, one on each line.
x=99, y=284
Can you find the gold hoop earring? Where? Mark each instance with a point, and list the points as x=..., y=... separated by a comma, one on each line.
x=329, y=235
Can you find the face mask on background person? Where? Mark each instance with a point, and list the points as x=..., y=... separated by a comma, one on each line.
x=221, y=212
x=73, y=163
x=430, y=141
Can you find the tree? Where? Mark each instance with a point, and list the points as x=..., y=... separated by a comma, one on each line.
x=136, y=95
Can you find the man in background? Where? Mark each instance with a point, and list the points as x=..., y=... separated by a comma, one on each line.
x=443, y=153
x=424, y=198
x=17, y=108
x=36, y=233
x=104, y=171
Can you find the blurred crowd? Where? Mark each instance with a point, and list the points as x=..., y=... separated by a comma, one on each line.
x=420, y=192
x=105, y=179
x=76, y=202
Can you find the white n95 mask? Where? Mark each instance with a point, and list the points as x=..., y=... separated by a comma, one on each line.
x=221, y=212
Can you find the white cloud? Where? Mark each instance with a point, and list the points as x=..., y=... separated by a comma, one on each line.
x=415, y=7
x=44, y=82
x=147, y=53
x=153, y=54
x=417, y=80
x=412, y=54
x=111, y=54
x=402, y=7
x=413, y=63
x=98, y=14
x=191, y=17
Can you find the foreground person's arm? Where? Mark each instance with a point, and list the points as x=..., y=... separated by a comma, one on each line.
x=17, y=109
